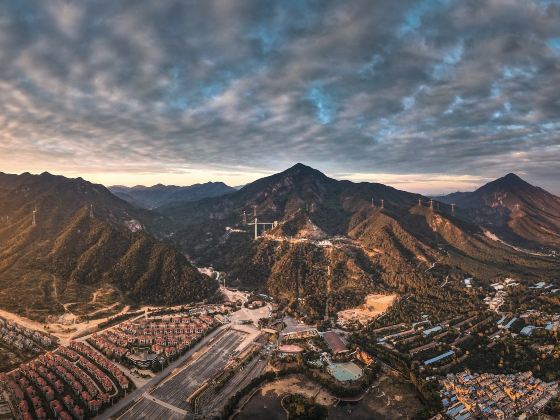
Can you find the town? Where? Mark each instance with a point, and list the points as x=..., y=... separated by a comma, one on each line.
x=472, y=395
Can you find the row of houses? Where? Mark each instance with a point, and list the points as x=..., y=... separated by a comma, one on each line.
x=70, y=383
x=165, y=337
x=39, y=339
x=100, y=361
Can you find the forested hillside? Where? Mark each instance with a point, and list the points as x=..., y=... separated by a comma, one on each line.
x=61, y=240
x=369, y=237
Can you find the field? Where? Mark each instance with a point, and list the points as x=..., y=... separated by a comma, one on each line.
x=389, y=398
x=266, y=402
x=374, y=305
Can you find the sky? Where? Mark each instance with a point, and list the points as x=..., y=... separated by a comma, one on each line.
x=429, y=96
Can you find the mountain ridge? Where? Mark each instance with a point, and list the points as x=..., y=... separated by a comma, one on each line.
x=160, y=194
x=515, y=209
x=388, y=245
x=64, y=239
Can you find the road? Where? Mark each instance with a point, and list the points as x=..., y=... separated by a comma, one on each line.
x=138, y=392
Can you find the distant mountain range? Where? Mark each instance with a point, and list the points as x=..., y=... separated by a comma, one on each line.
x=84, y=239
x=389, y=245
x=160, y=195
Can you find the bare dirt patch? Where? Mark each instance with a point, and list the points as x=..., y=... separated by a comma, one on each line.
x=374, y=306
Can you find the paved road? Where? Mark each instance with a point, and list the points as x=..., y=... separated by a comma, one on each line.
x=137, y=393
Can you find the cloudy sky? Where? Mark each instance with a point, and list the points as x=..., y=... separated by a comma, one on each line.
x=429, y=96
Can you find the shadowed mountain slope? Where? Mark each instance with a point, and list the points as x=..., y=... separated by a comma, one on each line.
x=159, y=195
x=328, y=226
x=514, y=209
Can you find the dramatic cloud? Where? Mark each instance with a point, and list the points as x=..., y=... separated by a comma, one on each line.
x=452, y=91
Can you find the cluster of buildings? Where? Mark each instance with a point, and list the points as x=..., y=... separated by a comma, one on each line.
x=72, y=383
x=297, y=331
x=433, y=344
x=471, y=395
x=18, y=337
x=162, y=336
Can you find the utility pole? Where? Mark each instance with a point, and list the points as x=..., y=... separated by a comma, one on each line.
x=329, y=282
x=256, y=224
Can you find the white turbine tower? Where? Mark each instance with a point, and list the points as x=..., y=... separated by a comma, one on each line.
x=453, y=209
x=382, y=203
x=34, y=222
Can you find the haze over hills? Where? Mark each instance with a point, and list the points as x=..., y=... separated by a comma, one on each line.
x=369, y=247
x=68, y=255
x=159, y=195
x=513, y=208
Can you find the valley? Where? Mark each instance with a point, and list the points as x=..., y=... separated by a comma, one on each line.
x=363, y=292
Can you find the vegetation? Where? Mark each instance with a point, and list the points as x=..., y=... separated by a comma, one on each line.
x=68, y=254
x=301, y=408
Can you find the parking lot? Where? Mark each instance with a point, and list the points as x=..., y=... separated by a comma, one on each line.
x=169, y=399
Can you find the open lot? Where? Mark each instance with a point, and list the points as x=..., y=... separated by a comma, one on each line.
x=266, y=402
x=374, y=305
x=389, y=398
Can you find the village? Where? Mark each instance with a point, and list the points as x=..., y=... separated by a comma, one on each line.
x=190, y=361
x=472, y=395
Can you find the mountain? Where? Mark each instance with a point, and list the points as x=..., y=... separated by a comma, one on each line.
x=85, y=244
x=326, y=242
x=513, y=209
x=159, y=195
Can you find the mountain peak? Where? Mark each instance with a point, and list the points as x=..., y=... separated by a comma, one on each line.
x=510, y=180
x=512, y=177
x=301, y=169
